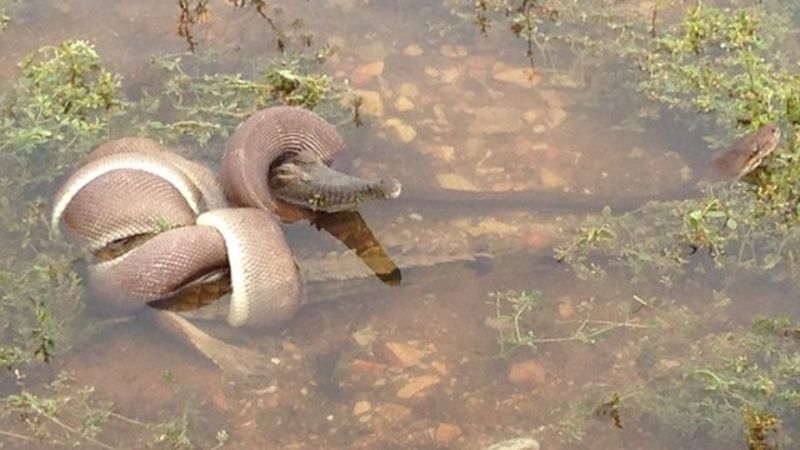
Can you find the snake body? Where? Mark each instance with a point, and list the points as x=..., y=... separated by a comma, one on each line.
x=178, y=226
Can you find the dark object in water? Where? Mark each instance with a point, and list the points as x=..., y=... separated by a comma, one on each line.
x=744, y=155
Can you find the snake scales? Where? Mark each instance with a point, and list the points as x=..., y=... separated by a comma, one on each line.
x=155, y=225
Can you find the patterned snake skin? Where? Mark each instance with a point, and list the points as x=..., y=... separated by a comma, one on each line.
x=178, y=226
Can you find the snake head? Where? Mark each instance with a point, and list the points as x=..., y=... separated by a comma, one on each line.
x=390, y=187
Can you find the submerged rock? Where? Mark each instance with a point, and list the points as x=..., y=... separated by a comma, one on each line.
x=403, y=104
x=405, y=132
x=455, y=181
x=447, y=433
x=527, y=373
x=497, y=119
x=371, y=103
x=413, y=50
x=417, y=385
x=366, y=72
x=523, y=77
x=516, y=444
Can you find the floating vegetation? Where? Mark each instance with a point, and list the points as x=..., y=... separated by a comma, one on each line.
x=518, y=322
x=204, y=106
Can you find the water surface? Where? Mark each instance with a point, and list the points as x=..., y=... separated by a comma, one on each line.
x=446, y=107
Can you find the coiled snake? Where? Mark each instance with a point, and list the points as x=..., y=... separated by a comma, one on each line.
x=155, y=224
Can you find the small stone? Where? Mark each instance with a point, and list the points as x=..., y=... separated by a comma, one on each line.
x=413, y=50
x=539, y=129
x=367, y=367
x=406, y=133
x=417, y=385
x=449, y=75
x=555, y=117
x=527, y=373
x=497, y=119
x=515, y=444
x=366, y=72
x=524, y=77
x=361, y=407
x=401, y=355
x=220, y=400
x=361, y=372
x=439, y=367
x=403, y=104
x=539, y=240
x=550, y=179
x=531, y=115
x=371, y=103
x=446, y=433
x=415, y=216
x=448, y=51
x=444, y=152
x=441, y=118
x=552, y=98
x=566, y=80
x=408, y=90
x=393, y=413
x=566, y=310
x=479, y=62
x=455, y=181
x=669, y=364
x=365, y=336
x=432, y=72
x=492, y=226
x=368, y=49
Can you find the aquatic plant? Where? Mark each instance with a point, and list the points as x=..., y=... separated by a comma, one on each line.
x=202, y=106
x=63, y=94
x=729, y=380
x=517, y=319
x=726, y=64
x=62, y=102
x=197, y=12
x=4, y=18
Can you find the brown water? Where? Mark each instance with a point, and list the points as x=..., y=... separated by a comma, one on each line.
x=456, y=111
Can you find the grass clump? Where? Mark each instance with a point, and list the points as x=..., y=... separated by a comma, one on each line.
x=726, y=64
x=61, y=104
x=63, y=94
x=202, y=106
x=730, y=387
x=723, y=62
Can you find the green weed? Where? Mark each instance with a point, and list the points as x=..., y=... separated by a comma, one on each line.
x=518, y=323
x=207, y=106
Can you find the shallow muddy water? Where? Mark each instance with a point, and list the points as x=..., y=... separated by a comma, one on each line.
x=417, y=364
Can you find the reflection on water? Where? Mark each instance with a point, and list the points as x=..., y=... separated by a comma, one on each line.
x=416, y=364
